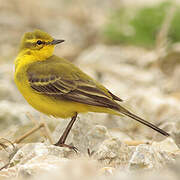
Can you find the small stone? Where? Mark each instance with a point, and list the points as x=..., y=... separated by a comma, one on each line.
x=95, y=137
x=37, y=150
x=167, y=145
x=113, y=152
x=148, y=157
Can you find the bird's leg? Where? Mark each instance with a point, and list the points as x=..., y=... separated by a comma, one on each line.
x=62, y=139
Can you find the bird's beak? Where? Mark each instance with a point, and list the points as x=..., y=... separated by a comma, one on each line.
x=58, y=41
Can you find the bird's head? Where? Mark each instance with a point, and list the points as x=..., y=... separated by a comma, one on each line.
x=39, y=44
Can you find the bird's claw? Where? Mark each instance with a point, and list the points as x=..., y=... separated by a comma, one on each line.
x=68, y=146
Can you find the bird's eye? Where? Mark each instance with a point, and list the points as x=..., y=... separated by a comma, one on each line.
x=39, y=42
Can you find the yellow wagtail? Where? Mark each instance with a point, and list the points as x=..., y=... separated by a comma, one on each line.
x=56, y=87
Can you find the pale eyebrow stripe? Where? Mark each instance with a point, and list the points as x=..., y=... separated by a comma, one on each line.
x=31, y=40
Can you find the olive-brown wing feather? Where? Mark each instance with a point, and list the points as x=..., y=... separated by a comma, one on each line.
x=76, y=91
x=60, y=79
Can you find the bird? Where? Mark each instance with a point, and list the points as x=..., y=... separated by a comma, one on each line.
x=56, y=87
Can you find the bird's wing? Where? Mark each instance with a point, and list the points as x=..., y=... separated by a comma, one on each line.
x=60, y=79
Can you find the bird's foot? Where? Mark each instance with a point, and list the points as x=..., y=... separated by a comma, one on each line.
x=65, y=145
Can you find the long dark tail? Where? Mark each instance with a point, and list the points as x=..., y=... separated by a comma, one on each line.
x=133, y=116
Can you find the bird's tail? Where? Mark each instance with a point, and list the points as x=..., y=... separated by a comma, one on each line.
x=133, y=116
